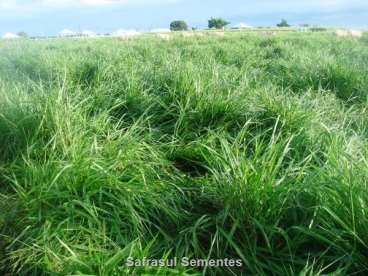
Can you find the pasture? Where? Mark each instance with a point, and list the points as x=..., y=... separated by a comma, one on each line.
x=249, y=146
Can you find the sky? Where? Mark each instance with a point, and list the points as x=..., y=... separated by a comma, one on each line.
x=49, y=17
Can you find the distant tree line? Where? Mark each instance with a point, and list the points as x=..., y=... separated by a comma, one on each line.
x=181, y=25
x=213, y=23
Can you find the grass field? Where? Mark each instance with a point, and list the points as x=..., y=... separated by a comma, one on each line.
x=247, y=146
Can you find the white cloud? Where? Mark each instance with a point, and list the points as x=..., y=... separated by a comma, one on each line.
x=37, y=4
x=5, y=4
x=293, y=6
x=98, y=2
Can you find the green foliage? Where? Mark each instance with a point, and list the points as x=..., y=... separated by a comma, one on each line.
x=246, y=146
x=178, y=25
x=217, y=23
x=22, y=34
x=318, y=29
x=283, y=24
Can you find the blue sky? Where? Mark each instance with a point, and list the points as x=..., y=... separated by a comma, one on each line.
x=48, y=17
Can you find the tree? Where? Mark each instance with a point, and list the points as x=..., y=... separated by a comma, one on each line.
x=283, y=23
x=22, y=34
x=217, y=23
x=178, y=25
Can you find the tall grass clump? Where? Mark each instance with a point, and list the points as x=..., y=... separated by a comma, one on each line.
x=246, y=147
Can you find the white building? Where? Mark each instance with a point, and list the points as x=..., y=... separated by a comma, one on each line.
x=125, y=33
x=88, y=33
x=242, y=25
x=67, y=33
x=10, y=36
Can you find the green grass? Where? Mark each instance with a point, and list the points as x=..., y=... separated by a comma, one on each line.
x=247, y=146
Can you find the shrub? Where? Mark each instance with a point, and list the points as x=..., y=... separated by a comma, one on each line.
x=217, y=23
x=178, y=25
x=22, y=34
x=318, y=29
x=283, y=24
